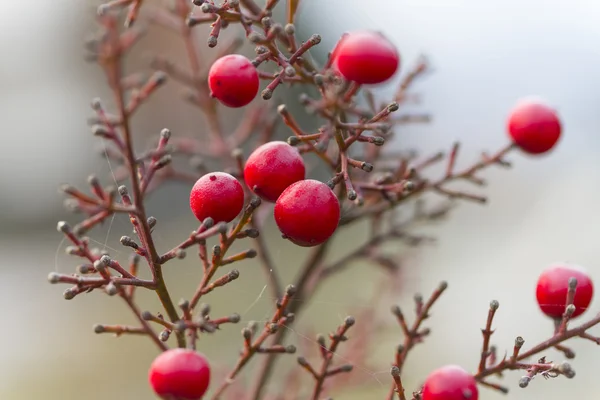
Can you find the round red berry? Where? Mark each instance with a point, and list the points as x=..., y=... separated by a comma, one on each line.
x=365, y=57
x=217, y=195
x=553, y=286
x=534, y=126
x=307, y=212
x=180, y=373
x=450, y=383
x=233, y=80
x=271, y=168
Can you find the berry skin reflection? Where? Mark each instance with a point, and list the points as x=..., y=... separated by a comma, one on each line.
x=366, y=57
x=534, y=126
x=180, y=373
x=307, y=213
x=233, y=80
x=217, y=195
x=271, y=168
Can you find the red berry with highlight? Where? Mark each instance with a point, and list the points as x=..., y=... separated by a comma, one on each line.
x=450, y=383
x=365, y=57
x=307, y=213
x=271, y=168
x=553, y=286
x=534, y=126
x=181, y=374
x=233, y=80
x=217, y=195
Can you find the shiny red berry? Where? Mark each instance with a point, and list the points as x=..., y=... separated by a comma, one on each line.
x=450, y=383
x=217, y=195
x=180, y=373
x=233, y=80
x=365, y=57
x=534, y=126
x=271, y=168
x=553, y=286
x=307, y=212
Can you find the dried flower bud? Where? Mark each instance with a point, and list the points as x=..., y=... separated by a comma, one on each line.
x=111, y=289
x=53, y=277
x=151, y=222
x=494, y=305
x=69, y=294
x=349, y=321
x=290, y=71
x=290, y=29
x=234, y=318
x=346, y=368
x=184, y=304
x=378, y=141
x=100, y=130
x=99, y=328
x=367, y=167
x=208, y=8
x=290, y=290
x=267, y=22
x=572, y=283
x=204, y=309
x=569, y=310
x=212, y=41
x=524, y=381
x=261, y=49
x=246, y=333
x=164, y=335
x=393, y=107
x=96, y=104
x=519, y=341
x=63, y=227
x=302, y=361
x=291, y=349
x=267, y=94
x=256, y=37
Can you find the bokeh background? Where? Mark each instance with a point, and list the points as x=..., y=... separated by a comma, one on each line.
x=486, y=55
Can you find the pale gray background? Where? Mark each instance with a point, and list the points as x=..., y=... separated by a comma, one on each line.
x=486, y=55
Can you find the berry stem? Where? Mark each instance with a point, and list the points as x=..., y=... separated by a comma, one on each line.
x=412, y=335
x=487, y=334
x=328, y=354
x=114, y=75
x=513, y=363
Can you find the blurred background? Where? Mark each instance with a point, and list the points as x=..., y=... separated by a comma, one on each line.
x=485, y=56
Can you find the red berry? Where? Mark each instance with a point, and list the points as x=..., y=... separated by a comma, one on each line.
x=233, y=80
x=365, y=57
x=307, y=212
x=553, y=286
x=271, y=168
x=217, y=195
x=180, y=373
x=450, y=383
x=534, y=126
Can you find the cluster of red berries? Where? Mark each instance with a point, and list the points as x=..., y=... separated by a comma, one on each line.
x=363, y=57
x=306, y=211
